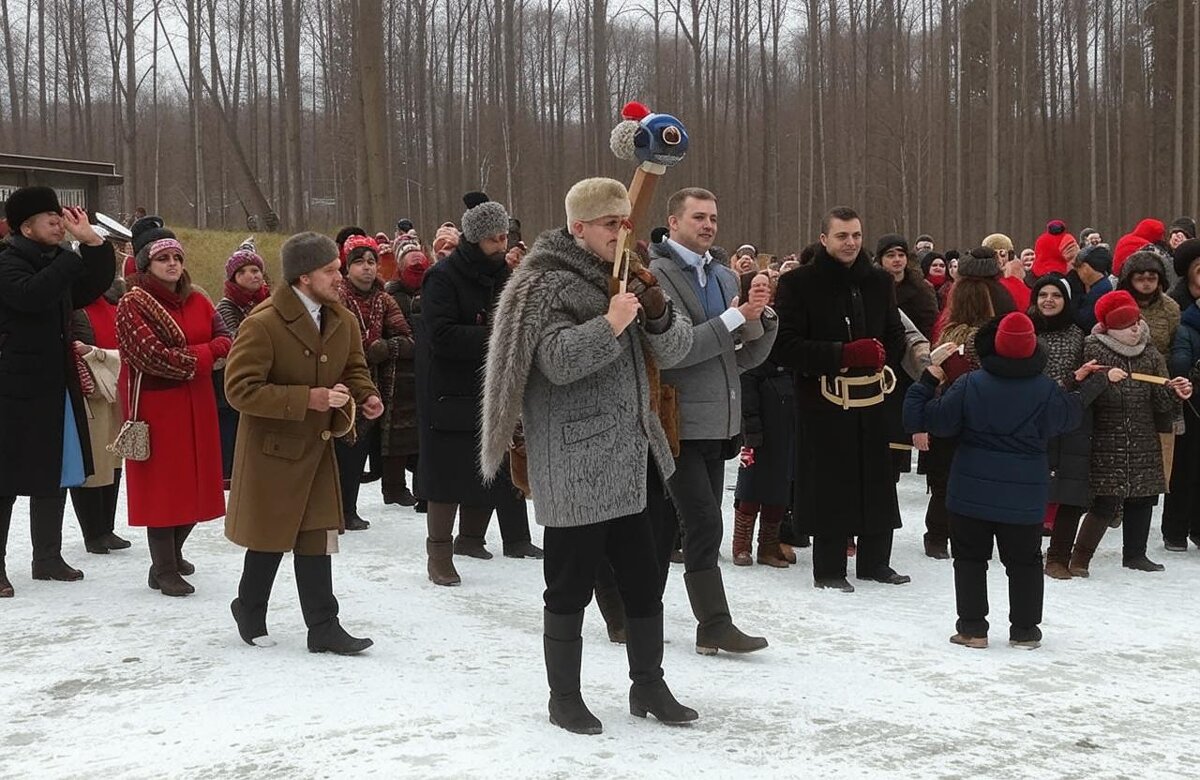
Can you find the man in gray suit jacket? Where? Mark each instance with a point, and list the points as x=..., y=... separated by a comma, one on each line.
x=727, y=339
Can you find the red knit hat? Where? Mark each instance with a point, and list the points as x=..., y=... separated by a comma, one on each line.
x=1047, y=250
x=1148, y=231
x=358, y=242
x=1015, y=337
x=1117, y=310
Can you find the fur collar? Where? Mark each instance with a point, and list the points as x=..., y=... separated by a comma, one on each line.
x=554, y=263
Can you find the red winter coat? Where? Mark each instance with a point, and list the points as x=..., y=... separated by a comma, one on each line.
x=181, y=482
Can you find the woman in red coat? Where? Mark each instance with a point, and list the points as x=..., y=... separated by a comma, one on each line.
x=170, y=338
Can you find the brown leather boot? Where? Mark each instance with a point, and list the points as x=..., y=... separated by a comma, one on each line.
x=439, y=545
x=164, y=568
x=1091, y=531
x=768, y=538
x=743, y=530
x=1058, y=570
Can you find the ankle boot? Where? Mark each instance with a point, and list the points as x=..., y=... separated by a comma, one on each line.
x=472, y=533
x=612, y=608
x=716, y=630
x=563, y=648
x=181, y=535
x=314, y=584
x=768, y=538
x=649, y=692
x=1091, y=531
x=743, y=531
x=164, y=567
x=6, y=505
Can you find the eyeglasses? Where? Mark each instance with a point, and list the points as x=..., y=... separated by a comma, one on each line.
x=611, y=224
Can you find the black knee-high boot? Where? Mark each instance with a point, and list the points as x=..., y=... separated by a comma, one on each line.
x=314, y=583
x=254, y=592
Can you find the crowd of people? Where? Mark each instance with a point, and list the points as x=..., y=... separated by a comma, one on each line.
x=1042, y=394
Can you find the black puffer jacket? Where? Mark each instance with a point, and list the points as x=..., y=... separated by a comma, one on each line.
x=1126, y=450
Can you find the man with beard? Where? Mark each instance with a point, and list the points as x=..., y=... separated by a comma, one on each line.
x=727, y=339
x=457, y=298
x=838, y=328
x=296, y=365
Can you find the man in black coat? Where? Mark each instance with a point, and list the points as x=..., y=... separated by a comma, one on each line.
x=457, y=298
x=43, y=423
x=838, y=328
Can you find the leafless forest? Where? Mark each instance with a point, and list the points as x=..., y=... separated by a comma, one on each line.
x=954, y=117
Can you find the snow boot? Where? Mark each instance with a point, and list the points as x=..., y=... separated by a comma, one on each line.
x=743, y=529
x=563, y=648
x=769, y=553
x=164, y=568
x=314, y=583
x=716, y=630
x=6, y=588
x=649, y=692
x=1025, y=638
x=525, y=549
x=45, y=531
x=935, y=549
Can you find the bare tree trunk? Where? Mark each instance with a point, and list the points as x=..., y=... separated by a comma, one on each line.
x=993, y=166
x=14, y=94
x=370, y=77
x=291, y=111
x=1177, y=98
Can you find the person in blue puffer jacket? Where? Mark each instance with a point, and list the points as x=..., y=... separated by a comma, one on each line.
x=1003, y=414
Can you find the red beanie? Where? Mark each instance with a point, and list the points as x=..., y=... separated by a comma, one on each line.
x=1047, y=250
x=1117, y=310
x=1015, y=337
x=1148, y=231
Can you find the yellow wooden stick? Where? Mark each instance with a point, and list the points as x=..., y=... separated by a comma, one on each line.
x=1151, y=378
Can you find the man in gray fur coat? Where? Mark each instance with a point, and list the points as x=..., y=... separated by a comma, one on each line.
x=572, y=364
x=727, y=339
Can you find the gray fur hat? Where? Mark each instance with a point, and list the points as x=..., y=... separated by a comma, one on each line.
x=484, y=217
x=304, y=253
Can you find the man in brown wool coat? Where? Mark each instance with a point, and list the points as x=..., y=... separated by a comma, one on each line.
x=293, y=371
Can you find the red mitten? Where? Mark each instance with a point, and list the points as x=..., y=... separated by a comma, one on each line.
x=746, y=456
x=864, y=353
x=220, y=347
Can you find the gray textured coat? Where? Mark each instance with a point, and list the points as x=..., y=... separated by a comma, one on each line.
x=583, y=395
x=707, y=380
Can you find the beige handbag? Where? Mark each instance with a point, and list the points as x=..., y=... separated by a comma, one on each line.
x=133, y=440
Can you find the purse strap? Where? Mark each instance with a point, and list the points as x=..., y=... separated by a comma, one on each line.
x=137, y=394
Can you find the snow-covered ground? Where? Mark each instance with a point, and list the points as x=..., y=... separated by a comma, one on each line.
x=106, y=678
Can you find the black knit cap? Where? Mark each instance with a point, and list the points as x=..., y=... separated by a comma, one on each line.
x=28, y=202
x=1098, y=257
x=147, y=230
x=890, y=241
x=1185, y=225
x=1185, y=254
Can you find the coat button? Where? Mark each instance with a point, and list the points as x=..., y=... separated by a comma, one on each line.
x=325, y=435
x=324, y=358
x=307, y=352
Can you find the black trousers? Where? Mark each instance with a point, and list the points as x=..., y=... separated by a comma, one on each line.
x=351, y=459
x=227, y=422
x=512, y=515
x=829, y=555
x=1136, y=513
x=96, y=508
x=1020, y=552
x=573, y=555
x=696, y=489
x=45, y=525
x=1181, y=507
